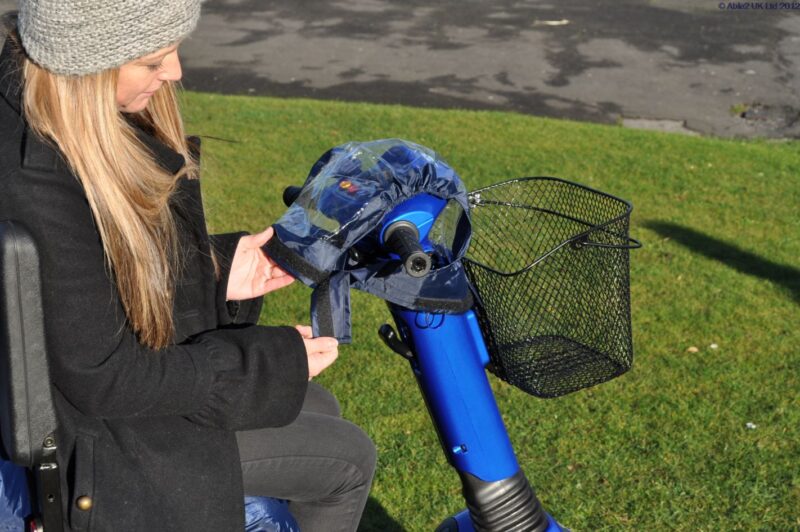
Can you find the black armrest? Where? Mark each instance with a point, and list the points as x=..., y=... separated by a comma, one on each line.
x=27, y=417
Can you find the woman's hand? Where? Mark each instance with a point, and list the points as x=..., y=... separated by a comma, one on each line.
x=253, y=274
x=321, y=351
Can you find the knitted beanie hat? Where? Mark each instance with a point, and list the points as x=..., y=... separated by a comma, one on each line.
x=77, y=37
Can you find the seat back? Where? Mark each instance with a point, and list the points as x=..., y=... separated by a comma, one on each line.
x=27, y=416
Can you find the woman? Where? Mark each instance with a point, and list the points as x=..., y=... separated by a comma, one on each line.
x=171, y=404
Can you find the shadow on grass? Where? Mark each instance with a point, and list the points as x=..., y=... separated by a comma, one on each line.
x=743, y=261
x=375, y=519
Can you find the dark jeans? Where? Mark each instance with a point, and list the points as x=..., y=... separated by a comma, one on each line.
x=322, y=464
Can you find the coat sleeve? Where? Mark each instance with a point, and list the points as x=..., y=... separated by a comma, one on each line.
x=236, y=378
x=245, y=311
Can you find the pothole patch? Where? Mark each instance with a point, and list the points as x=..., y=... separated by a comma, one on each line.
x=785, y=114
x=779, y=118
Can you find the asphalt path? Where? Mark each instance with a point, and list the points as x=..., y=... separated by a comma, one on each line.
x=679, y=65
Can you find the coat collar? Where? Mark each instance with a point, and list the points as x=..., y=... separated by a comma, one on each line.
x=166, y=157
x=11, y=92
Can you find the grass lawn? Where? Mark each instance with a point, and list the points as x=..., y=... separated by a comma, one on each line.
x=705, y=438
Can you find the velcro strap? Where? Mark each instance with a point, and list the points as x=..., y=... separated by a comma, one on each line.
x=292, y=262
x=330, y=308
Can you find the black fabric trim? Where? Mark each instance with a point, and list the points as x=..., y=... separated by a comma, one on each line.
x=294, y=263
x=452, y=306
x=323, y=309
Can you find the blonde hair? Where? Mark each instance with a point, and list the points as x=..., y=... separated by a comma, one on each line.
x=127, y=190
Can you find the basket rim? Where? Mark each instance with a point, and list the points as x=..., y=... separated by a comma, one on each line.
x=579, y=239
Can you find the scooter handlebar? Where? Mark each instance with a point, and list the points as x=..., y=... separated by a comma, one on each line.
x=402, y=238
x=290, y=194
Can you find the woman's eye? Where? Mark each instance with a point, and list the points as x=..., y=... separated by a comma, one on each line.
x=154, y=67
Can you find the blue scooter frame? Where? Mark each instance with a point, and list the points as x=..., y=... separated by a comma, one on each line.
x=448, y=360
x=448, y=356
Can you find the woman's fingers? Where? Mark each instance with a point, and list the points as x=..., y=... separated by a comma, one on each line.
x=321, y=352
x=272, y=276
x=321, y=344
x=261, y=238
x=271, y=270
x=277, y=282
x=253, y=273
x=257, y=240
x=304, y=330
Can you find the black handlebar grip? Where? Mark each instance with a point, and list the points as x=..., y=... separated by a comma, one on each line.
x=402, y=238
x=290, y=194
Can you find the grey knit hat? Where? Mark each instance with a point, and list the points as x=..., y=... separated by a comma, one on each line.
x=77, y=37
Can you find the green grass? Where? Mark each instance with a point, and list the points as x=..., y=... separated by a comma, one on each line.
x=664, y=447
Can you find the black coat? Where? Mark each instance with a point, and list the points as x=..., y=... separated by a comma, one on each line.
x=149, y=435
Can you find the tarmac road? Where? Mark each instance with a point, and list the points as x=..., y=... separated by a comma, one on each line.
x=683, y=65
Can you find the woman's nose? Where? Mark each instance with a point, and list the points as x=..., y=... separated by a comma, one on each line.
x=172, y=68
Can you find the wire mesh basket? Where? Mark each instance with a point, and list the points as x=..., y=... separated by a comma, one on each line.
x=549, y=267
